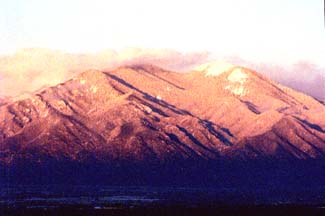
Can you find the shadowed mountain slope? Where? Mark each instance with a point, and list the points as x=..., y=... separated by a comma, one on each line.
x=142, y=114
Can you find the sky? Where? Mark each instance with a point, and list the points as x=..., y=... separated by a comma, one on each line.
x=284, y=31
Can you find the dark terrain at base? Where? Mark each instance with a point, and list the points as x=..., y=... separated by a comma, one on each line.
x=174, y=210
x=241, y=141
x=214, y=183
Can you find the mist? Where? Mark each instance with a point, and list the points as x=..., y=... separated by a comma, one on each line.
x=29, y=70
x=303, y=76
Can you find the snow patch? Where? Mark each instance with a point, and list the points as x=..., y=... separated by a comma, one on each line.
x=82, y=81
x=237, y=90
x=240, y=91
x=238, y=76
x=60, y=104
x=148, y=109
x=214, y=68
x=94, y=89
x=237, y=80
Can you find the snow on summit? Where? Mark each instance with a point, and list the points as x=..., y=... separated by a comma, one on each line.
x=238, y=76
x=237, y=90
x=237, y=80
x=214, y=68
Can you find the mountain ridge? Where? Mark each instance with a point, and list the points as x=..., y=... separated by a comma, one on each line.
x=103, y=113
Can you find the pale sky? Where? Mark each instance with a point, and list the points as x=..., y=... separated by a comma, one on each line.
x=281, y=31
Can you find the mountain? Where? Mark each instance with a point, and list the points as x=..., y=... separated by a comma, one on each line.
x=34, y=68
x=3, y=100
x=188, y=124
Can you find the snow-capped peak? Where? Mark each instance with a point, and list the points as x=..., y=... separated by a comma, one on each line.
x=238, y=76
x=214, y=68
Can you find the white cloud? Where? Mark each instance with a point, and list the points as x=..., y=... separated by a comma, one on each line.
x=31, y=69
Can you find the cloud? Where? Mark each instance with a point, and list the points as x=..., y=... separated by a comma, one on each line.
x=31, y=69
x=303, y=76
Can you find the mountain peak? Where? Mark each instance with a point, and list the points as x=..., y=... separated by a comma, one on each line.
x=238, y=76
x=143, y=112
x=90, y=76
x=214, y=68
x=237, y=79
